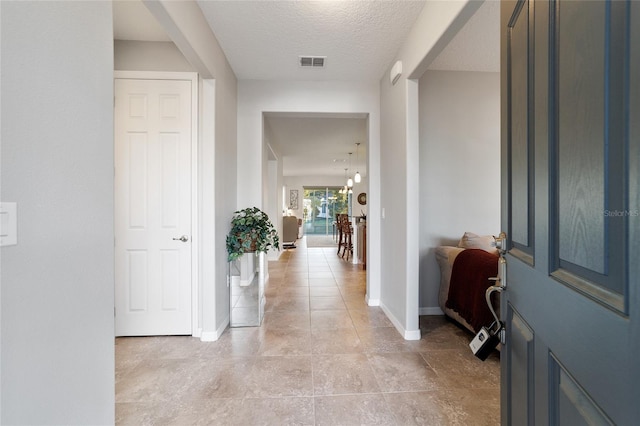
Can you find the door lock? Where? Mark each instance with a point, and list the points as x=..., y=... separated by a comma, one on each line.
x=184, y=239
x=486, y=340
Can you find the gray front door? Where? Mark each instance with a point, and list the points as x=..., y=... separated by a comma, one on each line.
x=571, y=184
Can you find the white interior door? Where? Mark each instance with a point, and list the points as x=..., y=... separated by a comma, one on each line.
x=153, y=207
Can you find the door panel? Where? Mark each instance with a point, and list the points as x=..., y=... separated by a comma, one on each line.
x=153, y=207
x=573, y=405
x=521, y=358
x=520, y=142
x=136, y=145
x=571, y=316
x=581, y=171
x=590, y=145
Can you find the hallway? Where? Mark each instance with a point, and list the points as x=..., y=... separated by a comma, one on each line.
x=322, y=356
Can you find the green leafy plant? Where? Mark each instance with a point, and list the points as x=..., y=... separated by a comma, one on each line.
x=251, y=230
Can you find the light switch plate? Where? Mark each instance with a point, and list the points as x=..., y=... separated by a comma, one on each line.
x=8, y=224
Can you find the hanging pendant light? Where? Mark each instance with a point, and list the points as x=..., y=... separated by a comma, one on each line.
x=357, y=178
x=350, y=181
x=344, y=190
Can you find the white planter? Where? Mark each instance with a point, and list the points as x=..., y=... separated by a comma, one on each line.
x=247, y=269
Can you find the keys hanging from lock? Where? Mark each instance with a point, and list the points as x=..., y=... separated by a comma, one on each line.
x=486, y=340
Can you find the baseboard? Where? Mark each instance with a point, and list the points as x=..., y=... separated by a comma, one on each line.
x=197, y=332
x=372, y=302
x=212, y=336
x=430, y=311
x=412, y=335
x=406, y=334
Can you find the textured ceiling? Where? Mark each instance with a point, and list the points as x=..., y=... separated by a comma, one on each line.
x=263, y=39
x=319, y=145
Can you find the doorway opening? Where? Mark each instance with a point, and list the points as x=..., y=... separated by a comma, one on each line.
x=320, y=207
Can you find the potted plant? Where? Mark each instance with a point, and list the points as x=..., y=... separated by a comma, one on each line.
x=251, y=230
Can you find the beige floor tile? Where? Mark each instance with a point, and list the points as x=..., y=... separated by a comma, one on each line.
x=145, y=413
x=353, y=410
x=225, y=411
x=324, y=292
x=353, y=298
x=293, y=291
x=463, y=370
x=335, y=341
x=326, y=275
x=321, y=282
x=425, y=408
x=330, y=319
x=295, y=282
x=294, y=271
x=285, y=342
x=327, y=303
x=279, y=411
x=446, y=335
x=276, y=275
x=235, y=342
x=402, y=371
x=220, y=379
x=287, y=320
x=250, y=411
x=343, y=374
x=290, y=303
x=156, y=380
x=268, y=374
x=383, y=339
x=320, y=269
x=280, y=376
x=482, y=406
x=358, y=303
x=368, y=318
x=271, y=291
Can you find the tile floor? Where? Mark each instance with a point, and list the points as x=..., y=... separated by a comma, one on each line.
x=321, y=357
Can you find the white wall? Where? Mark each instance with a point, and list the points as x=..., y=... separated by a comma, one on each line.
x=188, y=29
x=57, y=163
x=149, y=56
x=459, y=165
x=434, y=28
x=256, y=97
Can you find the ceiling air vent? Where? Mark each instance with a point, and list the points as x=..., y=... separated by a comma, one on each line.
x=312, y=61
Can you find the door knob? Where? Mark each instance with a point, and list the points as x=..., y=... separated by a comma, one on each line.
x=184, y=239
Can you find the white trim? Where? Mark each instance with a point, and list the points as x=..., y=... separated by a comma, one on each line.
x=195, y=228
x=192, y=77
x=156, y=75
x=372, y=302
x=406, y=334
x=431, y=311
x=412, y=258
x=208, y=271
x=209, y=336
x=412, y=334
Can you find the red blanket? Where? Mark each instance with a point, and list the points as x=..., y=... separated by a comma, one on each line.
x=470, y=275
